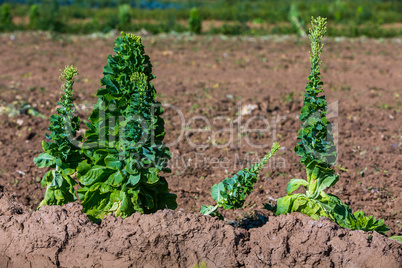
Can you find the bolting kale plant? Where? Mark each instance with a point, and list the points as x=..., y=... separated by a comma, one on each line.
x=195, y=21
x=61, y=152
x=118, y=164
x=232, y=192
x=318, y=154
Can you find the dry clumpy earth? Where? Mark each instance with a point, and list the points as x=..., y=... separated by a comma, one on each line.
x=213, y=77
x=64, y=237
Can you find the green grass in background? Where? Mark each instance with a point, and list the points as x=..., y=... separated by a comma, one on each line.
x=372, y=18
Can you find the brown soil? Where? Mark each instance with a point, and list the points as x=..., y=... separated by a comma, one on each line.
x=210, y=76
x=64, y=237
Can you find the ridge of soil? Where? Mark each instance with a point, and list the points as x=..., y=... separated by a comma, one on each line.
x=63, y=237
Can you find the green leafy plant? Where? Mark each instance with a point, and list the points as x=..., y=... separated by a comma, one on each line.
x=60, y=153
x=295, y=19
x=288, y=98
x=124, y=15
x=232, y=192
x=318, y=154
x=5, y=16
x=119, y=162
x=124, y=139
x=34, y=16
x=195, y=21
x=50, y=16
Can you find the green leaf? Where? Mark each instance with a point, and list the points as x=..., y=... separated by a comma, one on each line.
x=152, y=176
x=57, y=180
x=94, y=174
x=216, y=192
x=148, y=154
x=68, y=171
x=131, y=167
x=60, y=191
x=107, y=70
x=134, y=179
x=207, y=210
x=44, y=160
x=397, y=238
x=325, y=180
x=294, y=184
x=106, y=80
x=116, y=178
x=284, y=204
x=113, y=162
x=47, y=178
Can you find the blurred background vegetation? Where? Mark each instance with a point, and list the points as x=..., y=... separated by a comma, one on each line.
x=372, y=18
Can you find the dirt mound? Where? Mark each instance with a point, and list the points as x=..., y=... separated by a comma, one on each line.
x=64, y=237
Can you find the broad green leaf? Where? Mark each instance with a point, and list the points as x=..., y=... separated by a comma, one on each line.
x=113, y=162
x=44, y=160
x=152, y=176
x=107, y=70
x=47, y=178
x=134, y=179
x=148, y=154
x=57, y=180
x=294, y=184
x=216, y=192
x=68, y=171
x=60, y=191
x=124, y=209
x=131, y=167
x=95, y=174
x=108, y=82
x=116, y=178
x=45, y=146
x=326, y=180
x=58, y=162
x=99, y=155
x=299, y=202
x=284, y=204
x=206, y=210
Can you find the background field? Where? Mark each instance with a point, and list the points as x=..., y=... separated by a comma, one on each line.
x=211, y=76
x=372, y=18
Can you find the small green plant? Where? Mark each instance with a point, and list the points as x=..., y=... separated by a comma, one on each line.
x=195, y=21
x=295, y=19
x=232, y=192
x=5, y=16
x=118, y=164
x=318, y=154
x=50, y=17
x=34, y=16
x=60, y=152
x=363, y=14
x=124, y=15
x=288, y=98
x=201, y=265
